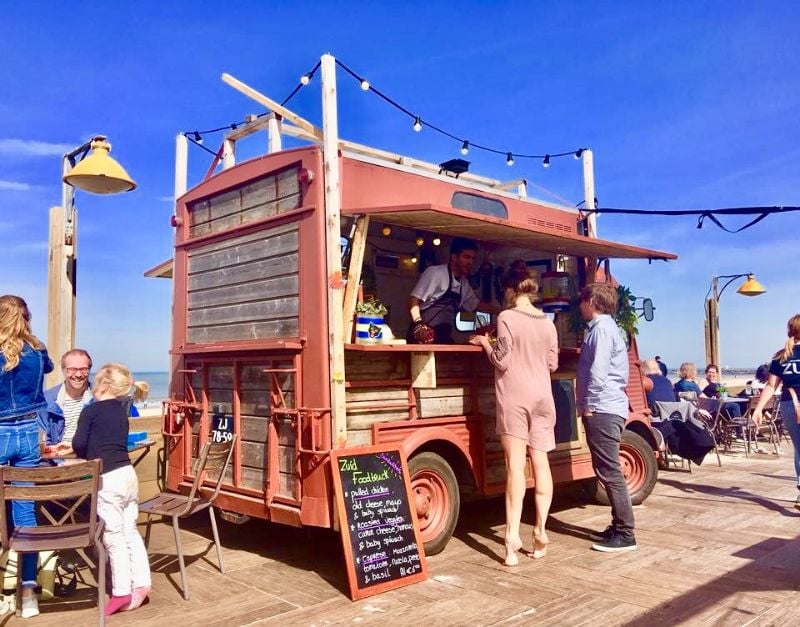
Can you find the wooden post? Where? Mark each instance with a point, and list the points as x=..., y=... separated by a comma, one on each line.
x=228, y=154
x=333, y=233
x=181, y=165
x=357, y=247
x=60, y=291
x=588, y=190
x=274, y=130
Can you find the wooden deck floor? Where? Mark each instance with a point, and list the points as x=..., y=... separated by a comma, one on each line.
x=720, y=546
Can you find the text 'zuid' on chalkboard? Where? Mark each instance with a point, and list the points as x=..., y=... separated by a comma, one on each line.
x=380, y=535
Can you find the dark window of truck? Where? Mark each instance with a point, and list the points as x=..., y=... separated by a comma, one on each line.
x=479, y=204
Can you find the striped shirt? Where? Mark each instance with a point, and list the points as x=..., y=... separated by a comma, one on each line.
x=72, y=411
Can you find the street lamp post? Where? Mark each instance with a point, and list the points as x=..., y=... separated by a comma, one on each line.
x=94, y=172
x=750, y=287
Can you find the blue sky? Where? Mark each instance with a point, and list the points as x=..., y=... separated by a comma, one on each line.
x=685, y=105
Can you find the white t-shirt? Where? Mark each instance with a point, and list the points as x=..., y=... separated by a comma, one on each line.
x=433, y=284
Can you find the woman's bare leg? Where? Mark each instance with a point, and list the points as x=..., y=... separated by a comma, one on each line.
x=543, y=497
x=515, y=451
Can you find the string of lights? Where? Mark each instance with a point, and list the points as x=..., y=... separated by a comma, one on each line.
x=419, y=123
x=196, y=136
x=466, y=145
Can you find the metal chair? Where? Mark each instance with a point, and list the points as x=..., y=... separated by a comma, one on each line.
x=214, y=458
x=73, y=483
x=770, y=421
x=709, y=414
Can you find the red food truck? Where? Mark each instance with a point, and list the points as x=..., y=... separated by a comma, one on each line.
x=269, y=257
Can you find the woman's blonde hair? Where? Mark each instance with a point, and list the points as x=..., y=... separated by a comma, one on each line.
x=687, y=370
x=117, y=379
x=15, y=330
x=650, y=366
x=525, y=286
x=793, y=331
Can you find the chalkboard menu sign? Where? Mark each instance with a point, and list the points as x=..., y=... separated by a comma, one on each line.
x=379, y=532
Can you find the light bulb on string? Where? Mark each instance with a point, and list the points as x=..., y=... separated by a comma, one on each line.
x=198, y=138
x=509, y=159
x=417, y=124
x=465, y=147
x=414, y=259
x=387, y=231
x=436, y=241
x=419, y=241
x=305, y=79
x=579, y=153
x=546, y=161
x=364, y=84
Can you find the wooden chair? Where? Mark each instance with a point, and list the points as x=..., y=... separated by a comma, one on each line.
x=214, y=458
x=73, y=484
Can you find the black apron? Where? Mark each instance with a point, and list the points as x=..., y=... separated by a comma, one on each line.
x=440, y=315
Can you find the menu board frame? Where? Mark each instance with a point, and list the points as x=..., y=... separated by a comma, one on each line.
x=357, y=592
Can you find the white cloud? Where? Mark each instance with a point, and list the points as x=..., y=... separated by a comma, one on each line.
x=14, y=186
x=32, y=148
x=166, y=198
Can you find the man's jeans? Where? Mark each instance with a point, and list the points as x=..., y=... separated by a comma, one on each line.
x=19, y=446
x=603, y=434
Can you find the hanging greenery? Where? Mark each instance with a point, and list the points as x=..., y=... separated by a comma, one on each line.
x=627, y=318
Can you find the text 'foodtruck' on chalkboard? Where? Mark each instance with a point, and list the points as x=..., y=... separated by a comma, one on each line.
x=380, y=534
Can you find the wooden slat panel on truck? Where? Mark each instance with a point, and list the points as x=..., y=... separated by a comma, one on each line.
x=245, y=288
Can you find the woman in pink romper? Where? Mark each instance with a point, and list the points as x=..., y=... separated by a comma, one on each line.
x=525, y=355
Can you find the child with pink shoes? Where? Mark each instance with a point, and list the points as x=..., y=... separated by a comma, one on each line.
x=103, y=433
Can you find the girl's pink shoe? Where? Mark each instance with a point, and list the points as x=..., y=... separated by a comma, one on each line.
x=115, y=604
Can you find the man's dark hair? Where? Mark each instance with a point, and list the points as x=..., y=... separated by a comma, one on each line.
x=460, y=244
x=658, y=357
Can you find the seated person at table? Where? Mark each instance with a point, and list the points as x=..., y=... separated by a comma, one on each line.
x=712, y=390
x=656, y=386
x=754, y=386
x=687, y=384
x=103, y=433
x=66, y=400
x=441, y=292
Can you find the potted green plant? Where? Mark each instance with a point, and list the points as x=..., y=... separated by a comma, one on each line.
x=627, y=318
x=370, y=320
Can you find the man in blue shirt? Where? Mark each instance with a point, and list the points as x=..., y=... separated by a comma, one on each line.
x=603, y=404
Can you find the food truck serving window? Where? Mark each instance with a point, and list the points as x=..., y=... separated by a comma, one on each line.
x=479, y=204
x=270, y=195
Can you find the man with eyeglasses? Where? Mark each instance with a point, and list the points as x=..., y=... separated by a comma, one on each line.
x=66, y=400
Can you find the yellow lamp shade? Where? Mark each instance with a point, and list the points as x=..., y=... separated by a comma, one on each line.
x=99, y=173
x=751, y=287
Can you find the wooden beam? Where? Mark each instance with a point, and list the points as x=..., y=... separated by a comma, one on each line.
x=272, y=105
x=357, y=247
x=253, y=126
x=333, y=233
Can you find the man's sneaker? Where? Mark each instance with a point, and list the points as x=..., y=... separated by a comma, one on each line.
x=616, y=543
x=603, y=536
x=797, y=502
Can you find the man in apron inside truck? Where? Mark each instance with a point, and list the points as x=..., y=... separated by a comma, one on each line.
x=441, y=293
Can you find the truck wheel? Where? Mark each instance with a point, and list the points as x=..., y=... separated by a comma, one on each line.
x=434, y=490
x=639, y=467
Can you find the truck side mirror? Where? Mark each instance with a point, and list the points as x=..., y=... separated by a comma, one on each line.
x=648, y=309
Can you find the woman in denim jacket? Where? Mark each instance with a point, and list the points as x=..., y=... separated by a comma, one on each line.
x=23, y=364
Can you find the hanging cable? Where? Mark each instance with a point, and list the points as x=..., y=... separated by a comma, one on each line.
x=711, y=214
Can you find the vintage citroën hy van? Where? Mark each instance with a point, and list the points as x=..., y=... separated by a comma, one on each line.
x=270, y=257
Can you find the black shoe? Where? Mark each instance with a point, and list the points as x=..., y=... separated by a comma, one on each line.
x=616, y=543
x=603, y=536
